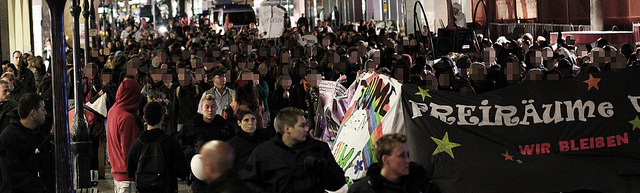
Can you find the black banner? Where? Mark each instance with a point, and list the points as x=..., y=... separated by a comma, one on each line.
x=537, y=136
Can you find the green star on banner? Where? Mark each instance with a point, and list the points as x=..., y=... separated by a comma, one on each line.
x=519, y=161
x=444, y=145
x=636, y=123
x=423, y=93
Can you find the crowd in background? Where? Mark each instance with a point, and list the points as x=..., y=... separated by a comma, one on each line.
x=208, y=82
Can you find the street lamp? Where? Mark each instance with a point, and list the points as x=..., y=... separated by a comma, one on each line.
x=79, y=135
x=60, y=119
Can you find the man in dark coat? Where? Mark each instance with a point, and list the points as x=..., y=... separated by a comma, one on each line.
x=175, y=163
x=217, y=163
x=394, y=171
x=26, y=159
x=292, y=161
x=201, y=129
x=8, y=107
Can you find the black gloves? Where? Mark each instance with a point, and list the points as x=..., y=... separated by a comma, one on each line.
x=317, y=164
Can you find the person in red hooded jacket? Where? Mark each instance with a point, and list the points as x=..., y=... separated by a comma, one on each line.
x=122, y=131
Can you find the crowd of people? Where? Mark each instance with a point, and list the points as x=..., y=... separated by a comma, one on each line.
x=246, y=106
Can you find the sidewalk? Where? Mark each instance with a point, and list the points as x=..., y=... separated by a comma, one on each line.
x=106, y=185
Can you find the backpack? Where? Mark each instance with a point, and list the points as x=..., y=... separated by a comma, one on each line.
x=151, y=169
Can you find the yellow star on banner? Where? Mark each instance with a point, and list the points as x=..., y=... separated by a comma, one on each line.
x=423, y=93
x=507, y=156
x=593, y=82
x=635, y=123
x=444, y=145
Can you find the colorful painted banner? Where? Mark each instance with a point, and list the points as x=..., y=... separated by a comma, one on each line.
x=332, y=105
x=374, y=109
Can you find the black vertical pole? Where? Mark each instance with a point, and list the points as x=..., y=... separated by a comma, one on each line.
x=60, y=119
x=80, y=142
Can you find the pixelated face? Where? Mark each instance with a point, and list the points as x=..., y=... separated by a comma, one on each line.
x=263, y=69
x=242, y=65
x=371, y=66
x=132, y=67
x=312, y=51
x=200, y=74
x=478, y=72
x=301, y=69
x=285, y=58
x=246, y=76
x=196, y=63
x=251, y=65
x=184, y=76
x=313, y=79
x=398, y=74
x=233, y=48
x=186, y=55
x=353, y=57
x=175, y=58
x=432, y=82
x=95, y=53
x=326, y=41
x=466, y=91
x=570, y=40
x=443, y=80
x=618, y=62
x=248, y=49
x=553, y=76
x=536, y=59
x=581, y=51
x=488, y=56
x=512, y=72
x=598, y=57
x=262, y=52
x=376, y=57
x=286, y=69
x=162, y=56
x=536, y=75
x=209, y=63
x=90, y=71
x=273, y=51
x=286, y=82
x=547, y=53
x=156, y=75
x=200, y=54
x=362, y=51
x=216, y=53
x=405, y=41
x=106, y=78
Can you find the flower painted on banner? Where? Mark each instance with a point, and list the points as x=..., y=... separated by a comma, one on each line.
x=423, y=92
x=593, y=82
x=358, y=167
x=636, y=123
x=507, y=156
x=444, y=145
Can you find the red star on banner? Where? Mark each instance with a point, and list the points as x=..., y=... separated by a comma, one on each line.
x=593, y=82
x=507, y=156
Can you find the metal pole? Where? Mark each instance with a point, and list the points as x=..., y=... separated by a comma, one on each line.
x=153, y=12
x=60, y=119
x=80, y=142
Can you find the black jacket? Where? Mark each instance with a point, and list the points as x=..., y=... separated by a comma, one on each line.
x=229, y=182
x=8, y=114
x=22, y=169
x=196, y=133
x=175, y=162
x=274, y=167
x=243, y=144
x=416, y=181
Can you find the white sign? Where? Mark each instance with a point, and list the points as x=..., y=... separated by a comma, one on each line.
x=271, y=22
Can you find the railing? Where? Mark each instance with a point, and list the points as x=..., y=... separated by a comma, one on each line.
x=536, y=29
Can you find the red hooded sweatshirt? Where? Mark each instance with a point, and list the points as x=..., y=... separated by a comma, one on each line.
x=122, y=128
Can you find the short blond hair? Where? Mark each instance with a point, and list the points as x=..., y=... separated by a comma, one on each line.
x=9, y=75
